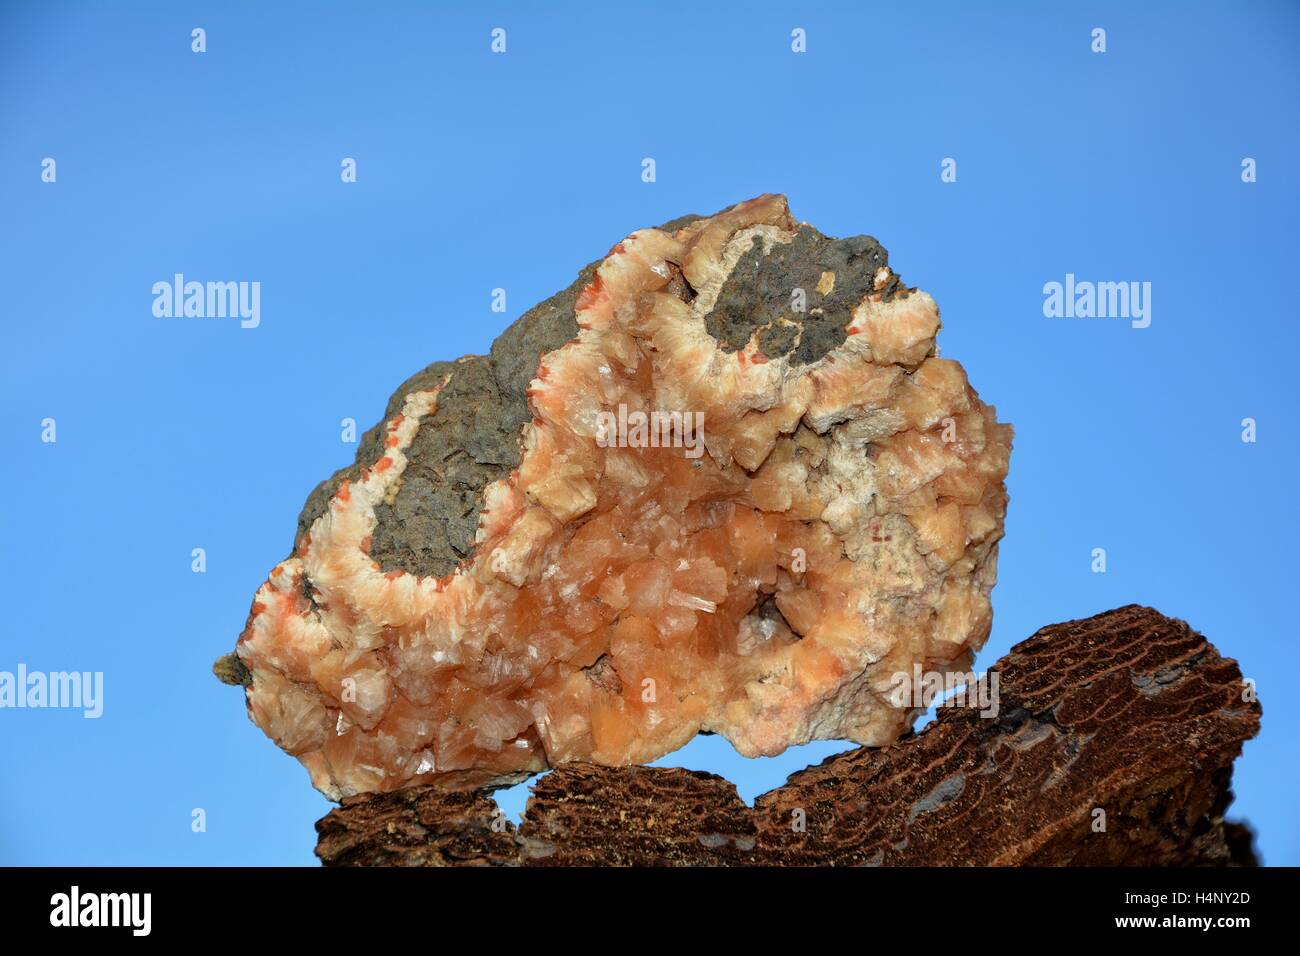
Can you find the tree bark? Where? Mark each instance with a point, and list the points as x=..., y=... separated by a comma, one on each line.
x=1113, y=745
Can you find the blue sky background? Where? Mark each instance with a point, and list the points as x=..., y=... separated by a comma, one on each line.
x=477, y=171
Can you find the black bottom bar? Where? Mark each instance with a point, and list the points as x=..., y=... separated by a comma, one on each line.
x=498, y=905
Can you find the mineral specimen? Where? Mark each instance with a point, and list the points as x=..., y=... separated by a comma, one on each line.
x=723, y=483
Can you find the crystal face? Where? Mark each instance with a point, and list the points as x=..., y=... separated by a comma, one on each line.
x=739, y=493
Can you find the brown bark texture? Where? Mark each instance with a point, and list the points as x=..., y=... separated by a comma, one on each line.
x=1113, y=745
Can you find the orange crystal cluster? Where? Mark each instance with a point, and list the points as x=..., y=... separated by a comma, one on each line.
x=837, y=525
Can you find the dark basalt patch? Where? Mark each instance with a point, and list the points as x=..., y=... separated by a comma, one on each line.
x=472, y=439
x=757, y=296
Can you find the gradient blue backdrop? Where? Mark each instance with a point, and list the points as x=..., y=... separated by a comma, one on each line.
x=479, y=170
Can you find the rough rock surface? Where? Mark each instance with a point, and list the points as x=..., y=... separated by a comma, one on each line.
x=722, y=483
x=1129, y=713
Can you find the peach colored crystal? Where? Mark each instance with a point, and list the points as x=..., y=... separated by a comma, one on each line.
x=839, y=525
